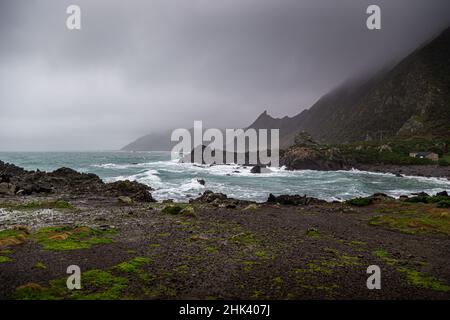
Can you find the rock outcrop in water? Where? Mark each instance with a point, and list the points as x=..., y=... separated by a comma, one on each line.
x=303, y=158
x=260, y=169
x=198, y=156
x=17, y=181
x=307, y=154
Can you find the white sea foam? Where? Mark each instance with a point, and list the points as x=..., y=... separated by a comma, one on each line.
x=175, y=180
x=148, y=177
x=123, y=166
x=178, y=181
x=179, y=191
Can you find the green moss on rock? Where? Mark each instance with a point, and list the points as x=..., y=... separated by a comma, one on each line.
x=96, y=285
x=418, y=279
x=72, y=238
x=172, y=209
x=5, y=259
x=360, y=202
x=134, y=265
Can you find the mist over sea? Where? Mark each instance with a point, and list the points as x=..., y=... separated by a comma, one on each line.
x=173, y=180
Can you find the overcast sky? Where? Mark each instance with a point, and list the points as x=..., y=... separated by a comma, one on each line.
x=143, y=66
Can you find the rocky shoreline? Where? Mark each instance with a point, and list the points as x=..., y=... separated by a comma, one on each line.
x=309, y=155
x=67, y=182
x=291, y=247
x=322, y=158
x=428, y=171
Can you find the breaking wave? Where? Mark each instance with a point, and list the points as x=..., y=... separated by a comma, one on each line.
x=179, y=181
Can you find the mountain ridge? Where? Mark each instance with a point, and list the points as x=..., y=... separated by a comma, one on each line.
x=411, y=98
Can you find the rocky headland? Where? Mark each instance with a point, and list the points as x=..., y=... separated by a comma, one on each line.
x=66, y=182
x=307, y=154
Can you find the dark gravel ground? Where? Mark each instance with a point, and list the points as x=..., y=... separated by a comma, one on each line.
x=267, y=251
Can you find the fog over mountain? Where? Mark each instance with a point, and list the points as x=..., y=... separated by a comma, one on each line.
x=410, y=100
x=138, y=66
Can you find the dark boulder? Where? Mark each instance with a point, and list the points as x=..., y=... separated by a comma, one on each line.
x=442, y=194
x=209, y=196
x=256, y=169
x=293, y=200
x=220, y=200
x=260, y=169
x=132, y=189
x=380, y=197
x=7, y=188
x=421, y=194
x=10, y=170
x=5, y=178
x=317, y=158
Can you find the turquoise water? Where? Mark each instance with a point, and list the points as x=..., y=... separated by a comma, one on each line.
x=173, y=180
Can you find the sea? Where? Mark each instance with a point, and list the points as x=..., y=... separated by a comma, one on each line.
x=180, y=181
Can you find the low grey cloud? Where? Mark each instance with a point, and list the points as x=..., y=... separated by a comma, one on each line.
x=144, y=66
